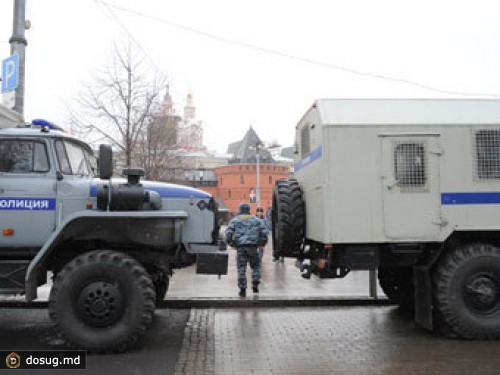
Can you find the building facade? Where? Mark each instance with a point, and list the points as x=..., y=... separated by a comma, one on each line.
x=190, y=132
x=248, y=162
x=9, y=117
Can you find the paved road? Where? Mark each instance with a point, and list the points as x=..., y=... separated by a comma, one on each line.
x=322, y=340
x=279, y=280
x=360, y=340
x=263, y=340
x=157, y=353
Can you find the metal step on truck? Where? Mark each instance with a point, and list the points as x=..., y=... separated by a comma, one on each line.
x=410, y=188
x=110, y=244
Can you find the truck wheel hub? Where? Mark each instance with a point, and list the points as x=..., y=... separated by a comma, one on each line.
x=482, y=293
x=100, y=304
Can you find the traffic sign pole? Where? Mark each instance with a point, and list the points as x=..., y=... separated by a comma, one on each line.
x=18, y=45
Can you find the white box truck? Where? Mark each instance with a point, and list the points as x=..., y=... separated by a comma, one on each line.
x=410, y=187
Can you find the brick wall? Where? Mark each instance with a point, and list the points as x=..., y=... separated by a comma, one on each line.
x=235, y=182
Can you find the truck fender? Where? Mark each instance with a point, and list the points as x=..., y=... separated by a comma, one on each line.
x=72, y=227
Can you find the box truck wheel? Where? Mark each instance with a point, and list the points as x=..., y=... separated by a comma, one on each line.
x=467, y=292
x=102, y=301
x=397, y=284
x=288, y=218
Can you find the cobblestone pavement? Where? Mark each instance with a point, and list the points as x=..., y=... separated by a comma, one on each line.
x=341, y=340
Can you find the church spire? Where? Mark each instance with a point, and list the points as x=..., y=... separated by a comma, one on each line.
x=168, y=104
x=189, y=108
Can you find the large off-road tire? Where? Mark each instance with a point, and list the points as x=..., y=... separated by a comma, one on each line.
x=288, y=218
x=397, y=284
x=467, y=292
x=102, y=301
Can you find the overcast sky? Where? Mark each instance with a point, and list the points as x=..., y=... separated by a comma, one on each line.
x=262, y=62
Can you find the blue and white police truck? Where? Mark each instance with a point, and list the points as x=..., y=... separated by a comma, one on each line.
x=410, y=187
x=110, y=244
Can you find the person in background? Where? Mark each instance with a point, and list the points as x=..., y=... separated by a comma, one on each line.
x=246, y=232
x=260, y=215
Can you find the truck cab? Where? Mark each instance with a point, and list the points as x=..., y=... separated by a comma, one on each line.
x=43, y=179
x=110, y=244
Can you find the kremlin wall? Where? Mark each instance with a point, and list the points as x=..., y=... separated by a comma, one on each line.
x=237, y=184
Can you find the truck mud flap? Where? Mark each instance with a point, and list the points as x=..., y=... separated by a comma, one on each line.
x=210, y=260
x=423, y=298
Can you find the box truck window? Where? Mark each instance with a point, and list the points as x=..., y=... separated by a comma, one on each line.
x=409, y=165
x=487, y=154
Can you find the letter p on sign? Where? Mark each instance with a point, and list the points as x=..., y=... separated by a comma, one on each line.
x=10, y=73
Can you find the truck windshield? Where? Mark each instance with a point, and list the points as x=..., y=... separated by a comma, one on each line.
x=73, y=159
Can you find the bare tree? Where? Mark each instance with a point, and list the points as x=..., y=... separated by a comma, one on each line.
x=159, y=152
x=120, y=104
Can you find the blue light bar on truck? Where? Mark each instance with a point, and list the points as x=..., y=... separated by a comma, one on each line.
x=46, y=124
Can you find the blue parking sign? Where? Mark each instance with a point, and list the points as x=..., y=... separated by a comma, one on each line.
x=10, y=73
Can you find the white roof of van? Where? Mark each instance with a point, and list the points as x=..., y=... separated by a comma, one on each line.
x=408, y=111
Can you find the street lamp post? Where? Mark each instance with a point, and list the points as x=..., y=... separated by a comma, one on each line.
x=257, y=190
x=257, y=147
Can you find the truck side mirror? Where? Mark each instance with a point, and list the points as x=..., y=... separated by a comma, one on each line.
x=105, y=162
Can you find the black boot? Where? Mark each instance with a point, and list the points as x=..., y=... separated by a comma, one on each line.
x=255, y=287
x=243, y=292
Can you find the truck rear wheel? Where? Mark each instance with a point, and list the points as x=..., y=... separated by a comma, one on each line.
x=397, y=284
x=102, y=301
x=467, y=292
x=288, y=218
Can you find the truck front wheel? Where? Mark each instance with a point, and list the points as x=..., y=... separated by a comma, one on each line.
x=467, y=292
x=102, y=301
